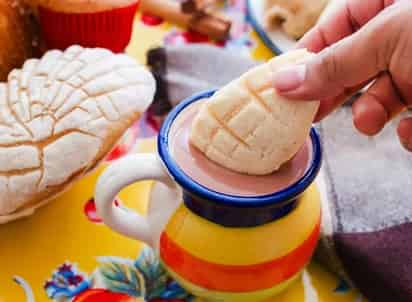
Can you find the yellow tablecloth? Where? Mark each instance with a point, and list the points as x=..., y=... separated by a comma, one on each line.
x=55, y=254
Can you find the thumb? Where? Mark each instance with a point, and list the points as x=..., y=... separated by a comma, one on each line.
x=348, y=63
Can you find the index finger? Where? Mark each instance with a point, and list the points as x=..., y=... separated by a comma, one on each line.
x=342, y=22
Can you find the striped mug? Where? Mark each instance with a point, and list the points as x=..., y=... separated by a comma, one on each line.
x=219, y=247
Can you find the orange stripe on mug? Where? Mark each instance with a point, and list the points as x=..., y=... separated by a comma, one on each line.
x=236, y=278
x=257, y=244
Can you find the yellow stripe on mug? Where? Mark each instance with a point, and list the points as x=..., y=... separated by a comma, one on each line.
x=274, y=239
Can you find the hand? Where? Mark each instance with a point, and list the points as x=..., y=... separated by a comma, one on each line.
x=363, y=42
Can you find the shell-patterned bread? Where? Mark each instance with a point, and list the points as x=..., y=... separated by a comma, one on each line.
x=247, y=127
x=59, y=117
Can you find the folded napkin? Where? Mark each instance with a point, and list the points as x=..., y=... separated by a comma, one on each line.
x=365, y=183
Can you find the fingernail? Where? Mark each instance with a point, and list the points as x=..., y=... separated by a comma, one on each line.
x=290, y=78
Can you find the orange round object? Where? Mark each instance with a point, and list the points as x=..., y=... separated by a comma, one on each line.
x=102, y=295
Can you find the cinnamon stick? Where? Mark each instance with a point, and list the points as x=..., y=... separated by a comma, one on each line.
x=205, y=23
x=193, y=6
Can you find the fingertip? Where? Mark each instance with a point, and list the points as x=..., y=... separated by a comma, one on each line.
x=369, y=116
x=405, y=133
x=313, y=41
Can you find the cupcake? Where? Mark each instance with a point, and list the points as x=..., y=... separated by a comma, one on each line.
x=89, y=23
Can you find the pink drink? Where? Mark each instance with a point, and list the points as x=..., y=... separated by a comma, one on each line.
x=217, y=178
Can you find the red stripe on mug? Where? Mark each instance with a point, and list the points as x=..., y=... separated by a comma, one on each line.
x=236, y=278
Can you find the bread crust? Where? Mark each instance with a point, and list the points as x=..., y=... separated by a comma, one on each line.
x=60, y=116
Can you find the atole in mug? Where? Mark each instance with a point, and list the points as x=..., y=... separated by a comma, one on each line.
x=233, y=246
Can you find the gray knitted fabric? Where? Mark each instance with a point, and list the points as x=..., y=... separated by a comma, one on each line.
x=189, y=70
x=369, y=180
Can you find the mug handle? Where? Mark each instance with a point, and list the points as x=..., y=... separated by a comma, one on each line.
x=120, y=174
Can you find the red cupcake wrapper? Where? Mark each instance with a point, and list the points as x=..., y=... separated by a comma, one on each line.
x=108, y=29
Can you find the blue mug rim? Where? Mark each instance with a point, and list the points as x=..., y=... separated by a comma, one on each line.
x=193, y=187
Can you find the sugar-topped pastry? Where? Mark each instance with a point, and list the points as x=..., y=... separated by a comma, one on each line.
x=247, y=127
x=59, y=117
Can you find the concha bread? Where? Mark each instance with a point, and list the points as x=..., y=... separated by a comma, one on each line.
x=59, y=116
x=247, y=127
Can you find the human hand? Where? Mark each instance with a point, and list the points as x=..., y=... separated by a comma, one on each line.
x=363, y=42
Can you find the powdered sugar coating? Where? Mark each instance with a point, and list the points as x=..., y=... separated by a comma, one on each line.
x=60, y=115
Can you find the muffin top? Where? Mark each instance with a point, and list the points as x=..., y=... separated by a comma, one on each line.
x=82, y=6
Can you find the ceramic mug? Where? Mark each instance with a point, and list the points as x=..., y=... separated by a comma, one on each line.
x=219, y=247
